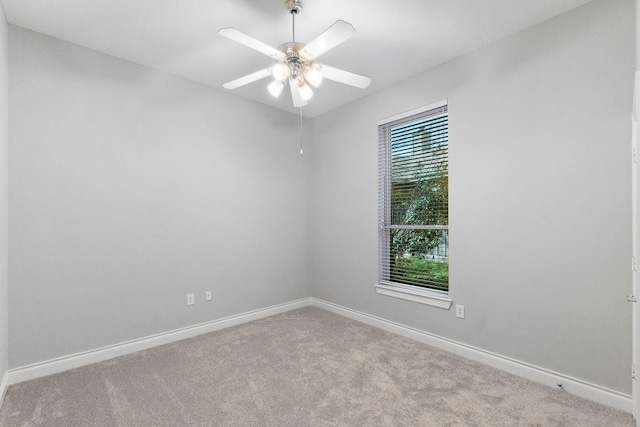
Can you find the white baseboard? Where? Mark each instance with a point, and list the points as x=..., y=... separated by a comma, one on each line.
x=77, y=360
x=540, y=375
x=572, y=385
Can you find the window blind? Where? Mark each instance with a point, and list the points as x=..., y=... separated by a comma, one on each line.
x=413, y=211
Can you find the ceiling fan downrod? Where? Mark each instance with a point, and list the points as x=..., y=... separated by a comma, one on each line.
x=294, y=7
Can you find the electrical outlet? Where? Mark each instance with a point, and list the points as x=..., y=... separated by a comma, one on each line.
x=207, y=296
x=190, y=299
x=460, y=311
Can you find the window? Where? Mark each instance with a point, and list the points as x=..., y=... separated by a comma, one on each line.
x=413, y=194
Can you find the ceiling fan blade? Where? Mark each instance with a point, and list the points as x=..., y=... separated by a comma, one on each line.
x=296, y=96
x=242, y=38
x=253, y=77
x=336, y=34
x=345, y=77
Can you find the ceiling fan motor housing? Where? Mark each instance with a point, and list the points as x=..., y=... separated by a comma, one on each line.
x=296, y=60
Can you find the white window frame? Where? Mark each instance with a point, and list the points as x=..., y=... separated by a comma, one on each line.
x=431, y=297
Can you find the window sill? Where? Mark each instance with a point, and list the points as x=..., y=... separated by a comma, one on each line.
x=421, y=296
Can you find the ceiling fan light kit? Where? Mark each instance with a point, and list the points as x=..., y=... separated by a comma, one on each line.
x=296, y=62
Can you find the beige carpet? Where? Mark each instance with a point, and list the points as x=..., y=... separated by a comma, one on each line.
x=307, y=367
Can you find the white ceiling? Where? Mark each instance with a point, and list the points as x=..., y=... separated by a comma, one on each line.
x=394, y=40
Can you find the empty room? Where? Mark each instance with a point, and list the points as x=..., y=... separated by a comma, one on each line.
x=318, y=213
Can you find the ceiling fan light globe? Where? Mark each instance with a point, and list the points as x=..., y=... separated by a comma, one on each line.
x=280, y=71
x=305, y=92
x=275, y=88
x=313, y=76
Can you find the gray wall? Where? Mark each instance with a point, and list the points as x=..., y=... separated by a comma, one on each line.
x=4, y=192
x=539, y=196
x=131, y=188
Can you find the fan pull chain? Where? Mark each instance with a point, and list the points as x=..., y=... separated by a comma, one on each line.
x=301, y=151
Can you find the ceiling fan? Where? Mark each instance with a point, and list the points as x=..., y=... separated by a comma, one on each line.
x=296, y=62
